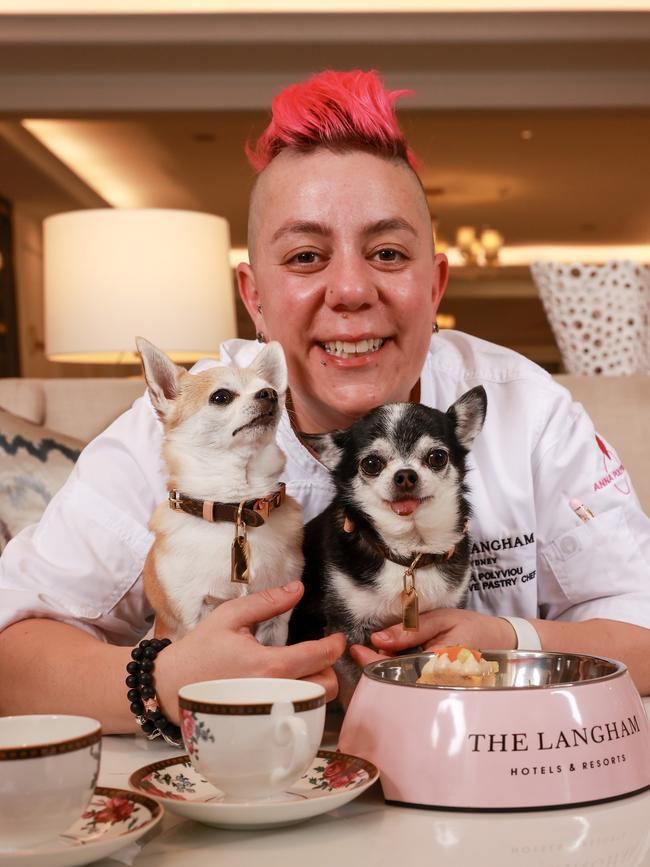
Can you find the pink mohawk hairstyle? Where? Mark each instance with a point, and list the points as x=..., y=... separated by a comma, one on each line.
x=337, y=110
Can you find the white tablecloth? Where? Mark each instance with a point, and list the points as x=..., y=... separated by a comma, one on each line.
x=368, y=833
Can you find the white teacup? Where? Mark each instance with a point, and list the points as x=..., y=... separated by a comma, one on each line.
x=252, y=737
x=48, y=770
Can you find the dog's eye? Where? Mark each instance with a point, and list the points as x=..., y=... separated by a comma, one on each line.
x=437, y=459
x=372, y=465
x=221, y=397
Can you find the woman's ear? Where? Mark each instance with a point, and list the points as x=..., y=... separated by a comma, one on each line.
x=248, y=293
x=440, y=282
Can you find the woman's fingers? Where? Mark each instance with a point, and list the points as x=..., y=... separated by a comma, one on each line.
x=257, y=607
x=364, y=655
x=446, y=626
x=397, y=638
x=306, y=658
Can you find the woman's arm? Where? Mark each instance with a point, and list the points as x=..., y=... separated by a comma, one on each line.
x=51, y=667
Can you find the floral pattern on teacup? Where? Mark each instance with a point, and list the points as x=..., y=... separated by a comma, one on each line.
x=338, y=773
x=112, y=811
x=194, y=730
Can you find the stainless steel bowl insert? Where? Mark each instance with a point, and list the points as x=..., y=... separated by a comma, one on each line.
x=518, y=669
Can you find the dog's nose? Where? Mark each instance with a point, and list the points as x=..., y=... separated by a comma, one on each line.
x=267, y=394
x=405, y=479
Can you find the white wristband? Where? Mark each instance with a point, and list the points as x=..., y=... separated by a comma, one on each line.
x=527, y=635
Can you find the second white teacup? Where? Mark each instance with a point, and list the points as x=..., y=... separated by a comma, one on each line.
x=48, y=769
x=252, y=737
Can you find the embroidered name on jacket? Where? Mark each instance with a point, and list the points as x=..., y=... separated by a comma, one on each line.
x=503, y=544
x=489, y=572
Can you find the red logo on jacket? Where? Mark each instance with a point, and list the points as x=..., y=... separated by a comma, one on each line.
x=614, y=470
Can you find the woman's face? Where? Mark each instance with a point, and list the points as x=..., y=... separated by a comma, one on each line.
x=344, y=272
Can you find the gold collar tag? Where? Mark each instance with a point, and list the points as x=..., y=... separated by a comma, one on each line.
x=240, y=553
x=410, y=600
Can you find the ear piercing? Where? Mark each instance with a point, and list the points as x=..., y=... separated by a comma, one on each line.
x=434, y=328
x=259, y=335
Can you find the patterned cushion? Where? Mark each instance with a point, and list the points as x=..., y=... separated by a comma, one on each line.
x=34, y=463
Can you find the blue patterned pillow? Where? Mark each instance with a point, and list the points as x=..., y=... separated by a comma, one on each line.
x=34, y=463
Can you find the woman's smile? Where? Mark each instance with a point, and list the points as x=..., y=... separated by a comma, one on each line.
x=353, y=348
x=358, y=352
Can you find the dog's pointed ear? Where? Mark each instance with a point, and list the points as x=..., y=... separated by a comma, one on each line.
x=328, y=446
x=468, y=415
x=161, y=374
x=271, y=366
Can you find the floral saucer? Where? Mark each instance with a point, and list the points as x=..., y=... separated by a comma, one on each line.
x=113, y=819
x=332, y=780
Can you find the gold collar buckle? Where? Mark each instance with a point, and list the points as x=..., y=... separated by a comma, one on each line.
x=272, y=501
x=175, y=501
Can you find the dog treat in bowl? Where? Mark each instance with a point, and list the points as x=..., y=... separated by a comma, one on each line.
x=458, y=666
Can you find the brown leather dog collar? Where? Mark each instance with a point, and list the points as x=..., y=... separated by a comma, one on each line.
x=253, y=513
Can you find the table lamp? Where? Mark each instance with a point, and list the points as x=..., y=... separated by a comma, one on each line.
x=112, y=274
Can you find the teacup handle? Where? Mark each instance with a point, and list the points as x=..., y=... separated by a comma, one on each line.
x=289, y=728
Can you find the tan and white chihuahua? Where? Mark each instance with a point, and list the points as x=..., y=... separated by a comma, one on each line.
x=227, y=525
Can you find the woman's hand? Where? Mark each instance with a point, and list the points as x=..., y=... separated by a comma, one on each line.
x=440, y=628
x=223, y=645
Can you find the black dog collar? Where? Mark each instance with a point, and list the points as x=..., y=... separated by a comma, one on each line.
x=423, y=560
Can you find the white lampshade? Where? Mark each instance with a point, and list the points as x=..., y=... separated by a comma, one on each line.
x=113, y=274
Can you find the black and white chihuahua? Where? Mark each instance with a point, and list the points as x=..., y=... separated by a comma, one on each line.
x=400, y=507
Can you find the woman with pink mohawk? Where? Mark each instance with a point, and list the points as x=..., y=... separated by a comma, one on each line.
x=344, y=274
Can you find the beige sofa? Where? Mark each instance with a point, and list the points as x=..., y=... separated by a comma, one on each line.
x=81, y=408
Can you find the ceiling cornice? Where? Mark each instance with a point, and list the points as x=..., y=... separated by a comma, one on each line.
x=64, y=64
x=90, y=94
x=314, y=28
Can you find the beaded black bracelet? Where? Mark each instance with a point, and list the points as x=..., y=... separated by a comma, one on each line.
x=142, y=693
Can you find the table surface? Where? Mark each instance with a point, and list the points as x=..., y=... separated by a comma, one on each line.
x=369, y=832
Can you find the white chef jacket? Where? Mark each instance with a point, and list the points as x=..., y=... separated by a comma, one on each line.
x=531, y=555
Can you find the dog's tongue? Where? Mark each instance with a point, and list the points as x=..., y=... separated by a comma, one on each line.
x=404, y=507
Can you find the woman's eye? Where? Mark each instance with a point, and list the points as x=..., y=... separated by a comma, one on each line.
x=437, y=459
x=305, y=257
x=222, y=397
x=388, y=254
x=371, y=465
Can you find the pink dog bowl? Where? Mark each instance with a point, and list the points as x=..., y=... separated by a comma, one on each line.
x=556, y=729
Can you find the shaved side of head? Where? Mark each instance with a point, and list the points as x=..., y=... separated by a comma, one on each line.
x=255, y=209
